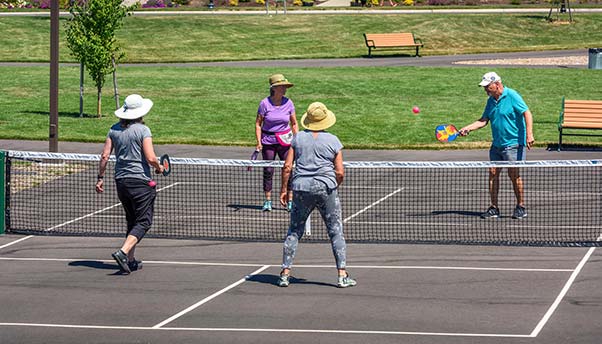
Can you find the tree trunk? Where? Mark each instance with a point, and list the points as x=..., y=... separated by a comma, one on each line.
x=81, y=89
x=99, y=102
x=115, y=90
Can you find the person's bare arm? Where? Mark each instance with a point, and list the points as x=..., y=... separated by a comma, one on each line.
x=294, y=124
x=339, y=169
x=258, y=124
x=529, y=127
x=149, y=153
x=286, y=174
x=478, y=124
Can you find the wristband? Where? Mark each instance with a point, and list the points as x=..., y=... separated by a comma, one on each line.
x=100, y=177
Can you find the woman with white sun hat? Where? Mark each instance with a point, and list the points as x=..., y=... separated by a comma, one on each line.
x=132, y=142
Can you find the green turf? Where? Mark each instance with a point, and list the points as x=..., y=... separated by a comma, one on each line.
x=185, y=38
x=218, y=105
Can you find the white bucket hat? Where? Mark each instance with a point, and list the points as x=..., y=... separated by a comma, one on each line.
x=134, y=107
x=489, y=78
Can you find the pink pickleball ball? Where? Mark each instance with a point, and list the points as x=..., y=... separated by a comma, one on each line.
x=416, y=109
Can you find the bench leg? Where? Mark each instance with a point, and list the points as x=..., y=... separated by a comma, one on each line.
x=417, y=54
x=559, y=139
x=369, y=52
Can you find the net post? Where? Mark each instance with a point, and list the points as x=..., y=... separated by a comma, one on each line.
x=2, y=192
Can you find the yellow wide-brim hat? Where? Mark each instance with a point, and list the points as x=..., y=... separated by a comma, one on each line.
x=279, y=80
x=318, y=117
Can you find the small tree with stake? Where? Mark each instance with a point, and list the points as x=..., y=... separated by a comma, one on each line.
x=91, y=38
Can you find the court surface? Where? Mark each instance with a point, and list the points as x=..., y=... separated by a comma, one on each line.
x=67, y=290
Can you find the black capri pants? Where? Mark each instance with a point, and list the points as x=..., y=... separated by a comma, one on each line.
x=138, y=200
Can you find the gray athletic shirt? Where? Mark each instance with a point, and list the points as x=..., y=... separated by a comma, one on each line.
x=127, y=143
x=314, y=159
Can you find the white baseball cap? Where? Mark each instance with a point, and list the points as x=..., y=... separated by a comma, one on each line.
x=489, y=78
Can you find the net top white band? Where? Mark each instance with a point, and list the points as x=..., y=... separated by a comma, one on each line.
x=41, y=156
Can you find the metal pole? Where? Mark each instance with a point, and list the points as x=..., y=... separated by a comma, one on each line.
x=115, y=89
x=2, y=195
x=53, y=135
x=81, y=89
x=568, y=7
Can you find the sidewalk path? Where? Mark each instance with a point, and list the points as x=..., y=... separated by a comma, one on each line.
x=384, y=61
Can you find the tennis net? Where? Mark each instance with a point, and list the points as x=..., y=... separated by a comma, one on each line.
x=415, y=202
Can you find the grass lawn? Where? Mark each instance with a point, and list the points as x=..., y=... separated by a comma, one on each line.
x=218, y=105
x=191, y=38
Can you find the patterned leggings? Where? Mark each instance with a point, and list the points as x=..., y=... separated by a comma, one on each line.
x=329, y=206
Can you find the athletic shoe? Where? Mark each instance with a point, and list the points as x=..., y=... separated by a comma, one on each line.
x=267, y=206
x=122, y=260
x=491, y=213
x=289, y=206
x=519, y=212
x=346, y=281
x=283, y=281
x=135, y=265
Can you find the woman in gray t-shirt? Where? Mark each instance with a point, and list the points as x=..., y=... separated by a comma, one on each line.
x=134, y=155
x=316, y=176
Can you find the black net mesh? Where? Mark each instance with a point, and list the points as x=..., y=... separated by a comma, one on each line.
x=425, y=202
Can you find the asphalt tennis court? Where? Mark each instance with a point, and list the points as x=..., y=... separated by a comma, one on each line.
x=66, y=290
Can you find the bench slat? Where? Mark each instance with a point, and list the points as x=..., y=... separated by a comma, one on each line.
x=392, y=40
x=581, y=125
x=583, y=113
x=582, y=119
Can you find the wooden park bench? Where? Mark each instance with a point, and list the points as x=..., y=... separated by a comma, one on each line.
x=579, y=114
x=392, y=41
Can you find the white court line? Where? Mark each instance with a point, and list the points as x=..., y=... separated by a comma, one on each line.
x=563, y=292
x=16, y=241
x=99, y=211
x=371, y=205
x=418, y=267
x=306, y=266
x=75, y=220
x=446, y=224
x=273, y=330
x=209, y=298
x=145, y=262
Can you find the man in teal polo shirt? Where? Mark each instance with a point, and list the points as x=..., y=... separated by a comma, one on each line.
x=512, y=131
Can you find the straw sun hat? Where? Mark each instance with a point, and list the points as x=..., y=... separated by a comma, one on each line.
x=318, y=117
x=279, y=80
x=134, y=107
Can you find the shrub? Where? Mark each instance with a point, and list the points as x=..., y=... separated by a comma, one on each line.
x=233, y=2
x=160, y=4
x=439, y=2
x=260, y=2
x=408, y=2
x=154, y=4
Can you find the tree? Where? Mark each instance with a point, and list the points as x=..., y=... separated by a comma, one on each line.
x=91, y=37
